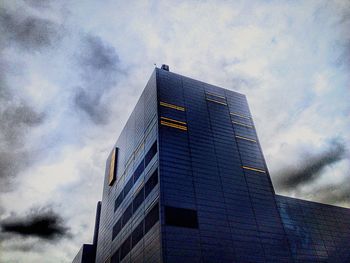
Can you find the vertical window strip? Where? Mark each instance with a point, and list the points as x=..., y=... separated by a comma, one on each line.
x=138, y=199
x=151, y=218
x=113, y=167
x=137, y=173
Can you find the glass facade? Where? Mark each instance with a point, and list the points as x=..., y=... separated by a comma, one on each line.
x=191, y=185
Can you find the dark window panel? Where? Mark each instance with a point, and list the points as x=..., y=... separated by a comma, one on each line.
x=151, y=218
x=151, y=183
x=138, y=199
x=181, y=217
x=138, y=171
x=127, y=215
x=115, y=257
x=152, y=152
x=128, y=186
x=125, y=248
x=118, y=201
x=116, y=228
x=137, y=234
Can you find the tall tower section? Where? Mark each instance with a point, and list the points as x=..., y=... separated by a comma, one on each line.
x=187, y=182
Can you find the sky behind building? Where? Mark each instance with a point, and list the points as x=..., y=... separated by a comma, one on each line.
x=70, y=74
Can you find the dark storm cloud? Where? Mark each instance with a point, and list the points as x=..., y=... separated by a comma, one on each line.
x=99, y=65
x=310, y=168
x=27, y=31
x=333, y=193
x=42, y=223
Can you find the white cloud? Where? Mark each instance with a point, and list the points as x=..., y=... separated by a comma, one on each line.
x=282, y=55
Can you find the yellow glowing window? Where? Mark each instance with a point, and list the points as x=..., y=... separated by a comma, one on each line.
x=245, y=138
x=242, y=124
x=172, y=106
x=240, y=115
x=172, y=120
x=112, y=167
x=173, y=123
x=253, y=169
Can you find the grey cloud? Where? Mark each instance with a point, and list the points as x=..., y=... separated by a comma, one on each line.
x=99, y=66
x=28, y=32
x=310, y=168
x=39, y=4
x=42, y=223
x=17, y=118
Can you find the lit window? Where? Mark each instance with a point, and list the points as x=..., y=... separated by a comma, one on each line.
x=112, y=167
x=253, y=169
x=171, y=106
x=173, y=123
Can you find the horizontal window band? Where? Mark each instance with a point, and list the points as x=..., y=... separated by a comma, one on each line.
x=240, y=115
x=216, y=95
x=169, y=124
x=242, y=124
x=219, y=102
x=245, y=138
x=172, y=120
x=253, y=169
x=172, y=106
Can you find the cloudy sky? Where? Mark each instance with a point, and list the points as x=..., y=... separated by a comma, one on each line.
x=71, y=72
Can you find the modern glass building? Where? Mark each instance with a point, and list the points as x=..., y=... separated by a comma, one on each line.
x=187, y=182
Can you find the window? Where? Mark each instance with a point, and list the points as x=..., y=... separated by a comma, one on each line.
x=115, y=257
x=125, y=248
x=137, y=234
x=152, y=152
x=127, y=215
x=242, y=124
x=215, y=98
x=116, y=228
x=142, y=228
x=151, y=183
x=173, y=123
x=172, y=106
x=181, y=217
x=138, y=171
x=112, y=167
x=253, y=169
x=118, y=201
x=138, y=199
x=128, y=186
x=152, y=218
x=245, y=138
